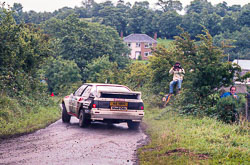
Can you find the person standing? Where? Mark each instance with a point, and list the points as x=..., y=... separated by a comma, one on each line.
x=178, y=74
x=231, y=93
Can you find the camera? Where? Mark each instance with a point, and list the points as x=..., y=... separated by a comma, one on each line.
x=177, y=67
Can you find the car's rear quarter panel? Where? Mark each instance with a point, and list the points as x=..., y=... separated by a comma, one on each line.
x=66, y=103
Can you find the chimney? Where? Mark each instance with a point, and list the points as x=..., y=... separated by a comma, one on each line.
x=121, y=34
x=155, y=36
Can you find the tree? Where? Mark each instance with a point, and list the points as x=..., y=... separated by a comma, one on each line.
x=102, y=70
x=82, y=42
x=17, y=12
x=60, y=74
x=170, y=5
x=198, y=6
x=234, y=8
x=137, y=76
x=239, y=41
x=160, y=65
x=192, y=24
x=88, y=4
x=141, y=19
x=212, y=22
x=229, y=23
x=208, y=71
x=23, y=48
x=167, y=24
x=221, y=9
x=242, y=37
x=202, y=61
x=115, y=17
x=243, y=18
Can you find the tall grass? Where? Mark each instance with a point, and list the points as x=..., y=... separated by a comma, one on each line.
x=179, y=139
x=17, y=118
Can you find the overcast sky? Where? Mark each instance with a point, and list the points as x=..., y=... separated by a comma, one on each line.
x=52, y=5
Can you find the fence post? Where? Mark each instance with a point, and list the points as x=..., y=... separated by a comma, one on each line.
x=247, y=106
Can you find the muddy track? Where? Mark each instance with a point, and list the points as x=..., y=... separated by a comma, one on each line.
x=62, y=143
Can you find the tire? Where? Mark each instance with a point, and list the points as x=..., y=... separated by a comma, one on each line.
x=83, y=121
x=65, y=116
x=133, y=125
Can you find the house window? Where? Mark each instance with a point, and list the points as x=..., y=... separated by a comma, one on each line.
x=138, y=44
x=147, y=54
x=138, y=53
x=148, y=45
x=129, y=44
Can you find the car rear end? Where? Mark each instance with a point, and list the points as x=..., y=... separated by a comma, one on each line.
x=117, y=106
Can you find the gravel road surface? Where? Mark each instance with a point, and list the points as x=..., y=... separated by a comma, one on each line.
x=68, y=144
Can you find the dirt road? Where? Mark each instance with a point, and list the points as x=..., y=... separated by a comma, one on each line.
x=62, y=143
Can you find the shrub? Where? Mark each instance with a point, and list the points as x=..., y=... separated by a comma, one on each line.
x=228, y=108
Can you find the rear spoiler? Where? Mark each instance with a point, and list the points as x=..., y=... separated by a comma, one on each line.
x=101, y=92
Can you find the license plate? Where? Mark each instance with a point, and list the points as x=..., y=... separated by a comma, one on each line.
x=119, y=108
x=117, y=105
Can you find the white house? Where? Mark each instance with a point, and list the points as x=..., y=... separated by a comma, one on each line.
x=140, y=45
x=245, y=67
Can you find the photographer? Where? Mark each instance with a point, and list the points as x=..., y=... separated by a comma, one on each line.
x=178, y=72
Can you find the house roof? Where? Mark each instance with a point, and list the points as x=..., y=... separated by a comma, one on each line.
x=244, y=64
x=139, y=38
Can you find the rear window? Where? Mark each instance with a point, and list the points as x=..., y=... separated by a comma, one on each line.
x=113, y=88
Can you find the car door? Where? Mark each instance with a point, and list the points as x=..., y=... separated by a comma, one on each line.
x=76, y=96
x=84, y=99
x=85, y=96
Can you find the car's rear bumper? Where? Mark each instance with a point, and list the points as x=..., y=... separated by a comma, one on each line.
x=134, y=115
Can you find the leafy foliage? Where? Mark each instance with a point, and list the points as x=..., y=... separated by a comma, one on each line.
x=170, y=5
x=208, y=72
x=60, y=75
x=82, y=42
x=102, y=70
x=22, y=49
x=229, y=109
x=126, y=18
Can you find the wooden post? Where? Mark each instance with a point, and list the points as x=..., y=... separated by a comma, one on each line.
x=247, y=106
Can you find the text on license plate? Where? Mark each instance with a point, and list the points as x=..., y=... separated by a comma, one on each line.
x=119, y=108
x=116, y=105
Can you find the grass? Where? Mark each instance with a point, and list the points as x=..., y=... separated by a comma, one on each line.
x=164, y=42
x=17, y=120
x=140, y=61
x=179, y=139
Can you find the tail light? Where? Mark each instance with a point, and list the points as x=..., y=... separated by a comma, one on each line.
x=80, y=99
x=142, y=108
x=93, y=105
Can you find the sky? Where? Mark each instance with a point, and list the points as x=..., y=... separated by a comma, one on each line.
x=52, y=5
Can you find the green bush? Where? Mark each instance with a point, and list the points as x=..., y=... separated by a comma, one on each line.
x=228, y=108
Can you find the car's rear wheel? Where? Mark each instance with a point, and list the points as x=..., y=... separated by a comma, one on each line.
x=133, y=125
x=65, y=116
x=83, y=120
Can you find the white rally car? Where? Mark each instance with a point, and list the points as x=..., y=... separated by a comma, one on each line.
x=109, y=103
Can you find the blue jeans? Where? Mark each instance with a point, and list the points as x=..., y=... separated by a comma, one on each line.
x=173, y=83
